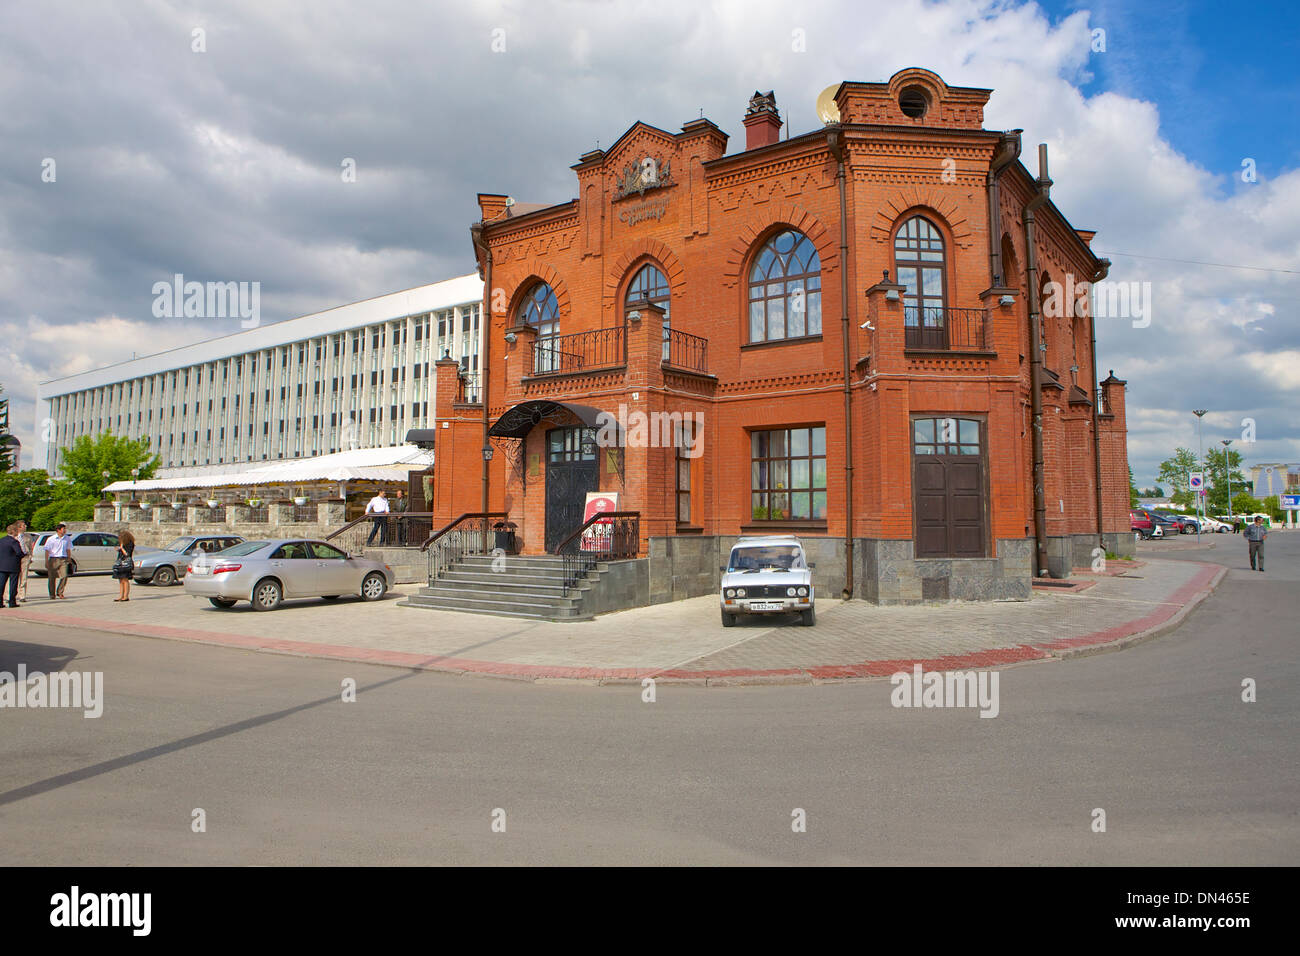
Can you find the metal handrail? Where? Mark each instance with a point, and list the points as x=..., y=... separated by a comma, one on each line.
x=622, y=541
x=468, y=534
x=400, y=529
x=581, y=351
x=945, y=328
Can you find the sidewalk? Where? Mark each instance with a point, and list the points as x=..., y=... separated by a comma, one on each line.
x=682, y=642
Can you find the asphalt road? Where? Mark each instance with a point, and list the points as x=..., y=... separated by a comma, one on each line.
x=411, y=773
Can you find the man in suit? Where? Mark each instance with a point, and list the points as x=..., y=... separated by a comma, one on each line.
x=11, y=560
x=28, y=542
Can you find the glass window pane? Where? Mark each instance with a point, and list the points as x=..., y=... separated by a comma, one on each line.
x=683, y=507
x=968, y=431
x=780, y=473
x=907, y=277
x=818, y=473
x=923, y=430
x=798, y=310
x=776, y=318
x=819, y=440
x=758, y=475
x=799, y=473
x=970, y=449
x=814, y=313
x=777, y=444
x=800, y=505
x=756, y=323
x=799, y=441
x=932, y=282
x=758, y=444
x=924, y=449
x=819, y=505
x=780, y=505
x=758, y=507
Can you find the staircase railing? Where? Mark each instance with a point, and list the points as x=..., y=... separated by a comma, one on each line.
x=405, y=530
x=608, y=536
x=472, y=533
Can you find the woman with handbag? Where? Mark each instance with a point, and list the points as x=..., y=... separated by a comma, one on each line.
x=124, y=566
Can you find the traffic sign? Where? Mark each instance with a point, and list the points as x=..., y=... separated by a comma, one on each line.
x=1196, y=481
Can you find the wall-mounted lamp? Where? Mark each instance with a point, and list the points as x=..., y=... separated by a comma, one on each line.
x=487, y=452
x=891, y=295
x=634, y=316
x=1007, y=300
x=511, y=338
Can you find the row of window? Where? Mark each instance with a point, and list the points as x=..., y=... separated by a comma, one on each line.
x=785, y=287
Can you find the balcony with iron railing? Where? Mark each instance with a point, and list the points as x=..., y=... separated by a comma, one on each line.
x=578, y=352
x=943, y=329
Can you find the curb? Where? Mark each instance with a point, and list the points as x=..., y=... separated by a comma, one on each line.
x=1168, y=616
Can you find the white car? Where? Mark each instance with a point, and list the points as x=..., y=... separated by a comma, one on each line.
x=1209, y=524
x=767, y=575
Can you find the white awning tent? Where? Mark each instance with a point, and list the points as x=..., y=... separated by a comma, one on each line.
x=392, y=464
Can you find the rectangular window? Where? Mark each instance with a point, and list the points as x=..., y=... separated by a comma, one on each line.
x=687, y=435
x=788, y=474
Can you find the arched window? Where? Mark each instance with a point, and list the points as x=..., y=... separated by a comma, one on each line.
x=919, y=265
x=541, y=310
x=785, y=283
x=649, y=284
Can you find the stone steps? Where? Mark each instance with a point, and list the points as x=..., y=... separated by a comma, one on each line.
x=531, y=588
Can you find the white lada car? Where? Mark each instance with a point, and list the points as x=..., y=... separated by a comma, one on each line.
x=767, y=575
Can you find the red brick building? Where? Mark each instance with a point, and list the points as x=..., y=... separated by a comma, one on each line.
x=834, y=334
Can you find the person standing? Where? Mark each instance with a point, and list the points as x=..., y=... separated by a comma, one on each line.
x=1255, y=535
x=398, y=507
x=378, y=506
x=28, y=542
x=124, y=566
x=11, y=560
x=58, y=555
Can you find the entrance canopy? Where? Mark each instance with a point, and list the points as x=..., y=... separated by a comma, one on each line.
x=518, y=421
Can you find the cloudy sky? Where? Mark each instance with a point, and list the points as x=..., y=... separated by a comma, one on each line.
x=225, y=163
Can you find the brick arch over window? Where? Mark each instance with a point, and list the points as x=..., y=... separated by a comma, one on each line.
x=541, y=273
x=931, y=203
x=636, y=256
x=751, y=236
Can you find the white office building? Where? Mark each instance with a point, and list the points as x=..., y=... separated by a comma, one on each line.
x=357, y=376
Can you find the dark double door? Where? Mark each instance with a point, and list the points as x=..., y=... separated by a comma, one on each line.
x=949, y=488
x=572, y=470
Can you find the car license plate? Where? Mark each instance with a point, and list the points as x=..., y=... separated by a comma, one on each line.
x=199, y=569
x=765, y=605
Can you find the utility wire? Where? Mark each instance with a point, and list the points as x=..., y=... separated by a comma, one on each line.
x=1198, y=262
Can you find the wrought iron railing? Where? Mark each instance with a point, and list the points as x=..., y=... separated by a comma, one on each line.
x=580, y=351
x=683, y=350
x=168, y=513
x=608, y=536
x=467, y=388
x=304, y=513
x=259, y=515
x=406, y=530
x=944, y=329
x=1101, y=401
x=212, y=514
x=476, y=532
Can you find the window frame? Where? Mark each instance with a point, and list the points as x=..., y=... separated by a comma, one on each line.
x=789, y=458
x=751, y=284
x=941, y=266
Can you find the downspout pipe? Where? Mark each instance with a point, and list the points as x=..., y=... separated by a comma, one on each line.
x=1008, y=152
x=1103, y=270
x=485, y=363
x=1043, y=189
x=835, y=143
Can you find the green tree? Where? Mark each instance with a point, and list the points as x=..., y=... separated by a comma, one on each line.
x=63, y=509
x=1272, y=506
x=86, y=461
x=1132, y=489
x=1174, y=471
x=22, y=492
x=1217, y=465
x=1244, y=503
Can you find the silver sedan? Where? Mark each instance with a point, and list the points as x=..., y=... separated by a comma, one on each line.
x=266, y=573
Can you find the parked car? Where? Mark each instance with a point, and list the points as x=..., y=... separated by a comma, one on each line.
x=1167, y=526
x=767, y=575
x=1208, y=525
x=266, y=573
x=1141, y=522
x=93, y=552
x=166, y=566
x=1181, y=523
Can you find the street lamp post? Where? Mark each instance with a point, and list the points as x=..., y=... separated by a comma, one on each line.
x=1200, y=492
x=1227, y=470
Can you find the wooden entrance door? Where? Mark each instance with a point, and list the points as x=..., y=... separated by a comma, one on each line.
x=948, y=488
x=571, y=472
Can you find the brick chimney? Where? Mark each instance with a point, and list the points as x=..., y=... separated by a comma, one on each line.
x=762, y=120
